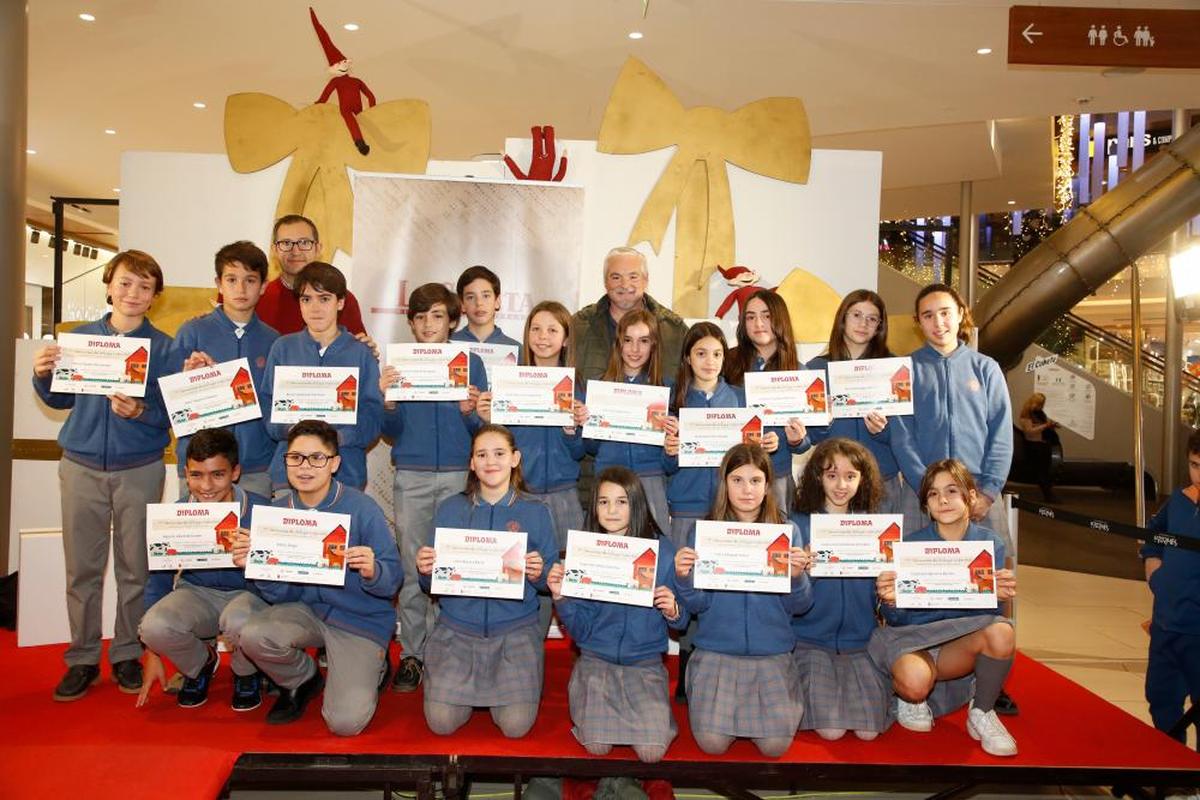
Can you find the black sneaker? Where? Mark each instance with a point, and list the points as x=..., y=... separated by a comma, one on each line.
x=408, y=675
x=292, y=702
x=194, y=692
x=128, y=675
x=1005, y=705
x=76, y=682
x=247, y=692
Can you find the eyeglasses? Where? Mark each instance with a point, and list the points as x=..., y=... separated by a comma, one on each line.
x=857, y=316
x=318, y=460
x=286, y=245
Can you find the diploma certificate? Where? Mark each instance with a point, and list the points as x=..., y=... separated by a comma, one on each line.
x=626, y=412
x=191, y=535
x=852, y=545
x=780, y=396
x=533, y=396
x=98, y=364
x=324, y=393
x=705, y=434
x=298, y=546
x=210, y=397
x=430, y=371
x=474, y=563
x=743, y=556
x=614, y=569
x=856, y=388
x=495, y=355
x=945, y=575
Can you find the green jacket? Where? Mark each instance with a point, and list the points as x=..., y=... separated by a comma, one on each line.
x=593, y=337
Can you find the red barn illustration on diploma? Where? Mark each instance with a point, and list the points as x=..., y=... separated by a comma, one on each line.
x=656, y=415
x=333, y=547
x=513, y=563
x=643, y=569
x=816, y=395
x=458, y=369
x=136, y=364
x=752, y=431
x=564, y=394
x=242, y=386
x=779, y=555
x=889, y=537
x=982, y=572
x=347, y=394
x=225, y=530
x=902, y=385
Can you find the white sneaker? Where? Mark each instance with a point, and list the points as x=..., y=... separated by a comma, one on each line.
x=989, y=731
x=914, y=716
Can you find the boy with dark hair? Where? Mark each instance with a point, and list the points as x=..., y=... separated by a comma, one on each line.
x=186, y=612
x=479, y=292
x=233, y=330
x=353, y=622
x=431, y=448
x=323, y=343
x=1173, y=672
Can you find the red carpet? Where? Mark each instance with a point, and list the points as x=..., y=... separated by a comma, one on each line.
x=105, y=747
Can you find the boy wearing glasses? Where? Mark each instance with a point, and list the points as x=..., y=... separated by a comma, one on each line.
x=233, y=330
x=297, y=244
x=321, y=289
x=353, y=622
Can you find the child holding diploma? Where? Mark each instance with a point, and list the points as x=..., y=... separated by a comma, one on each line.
x=353, y=622
x=112, y=466
x=860, y=330
x=841, y=687
x=765, y=343
x=618, y=688
x=741, y=680
x=635, y=358
x=487, y=651
x=321, y=289
x=186, y=612
x=936, y=657
x=431, y=447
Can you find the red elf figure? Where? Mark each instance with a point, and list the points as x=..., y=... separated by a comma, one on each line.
x=744, y=282
x=349, y=89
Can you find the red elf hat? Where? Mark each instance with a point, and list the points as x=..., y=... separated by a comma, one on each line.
x=732, y=272
x=331, y=52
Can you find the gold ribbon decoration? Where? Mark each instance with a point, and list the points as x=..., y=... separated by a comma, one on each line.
x=261, y=130
x=769, y=137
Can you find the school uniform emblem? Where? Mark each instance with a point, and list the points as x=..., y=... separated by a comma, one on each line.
x=973, y=385
x=513, y=526
x=260, y=362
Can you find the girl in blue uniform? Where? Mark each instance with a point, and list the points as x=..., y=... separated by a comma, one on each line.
x=939, y=659
x=841, y=687
x=483, y=651
x=741, y=681
x=618, y=688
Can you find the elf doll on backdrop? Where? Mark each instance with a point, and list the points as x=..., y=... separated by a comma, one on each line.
x=350, y=90
x=744, y=282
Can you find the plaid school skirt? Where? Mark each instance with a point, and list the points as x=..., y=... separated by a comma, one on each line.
x=465, y=670
x=620, y=703
x=748, y=696
x=889, y=643
x=845, y=691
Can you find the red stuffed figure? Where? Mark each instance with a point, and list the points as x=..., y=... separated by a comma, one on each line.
x=744, y=280
x=541, y=163
x=350, y=90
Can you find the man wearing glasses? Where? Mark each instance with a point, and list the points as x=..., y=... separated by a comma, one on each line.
x=296, y=244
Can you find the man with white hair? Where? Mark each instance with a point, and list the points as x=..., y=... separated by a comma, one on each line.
x=594, y=327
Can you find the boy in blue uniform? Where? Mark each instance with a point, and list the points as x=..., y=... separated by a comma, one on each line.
x=353, y=622
x=230, y=332
x=1173, y=573
x=186, y=612
x=479, y=292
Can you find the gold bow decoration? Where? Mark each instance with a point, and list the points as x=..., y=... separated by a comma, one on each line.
x=769, y=137
x=261, y=130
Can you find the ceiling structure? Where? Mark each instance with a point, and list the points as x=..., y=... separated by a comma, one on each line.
x=901, y=76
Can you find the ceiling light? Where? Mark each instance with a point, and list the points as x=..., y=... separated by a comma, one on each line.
x=87, y=17
x=1012, y=202
x=117, y=189
x=198, y=104
x=984, y=51
x=110, y=131
x=635, y=34
x=29, y=151
x=351, y=26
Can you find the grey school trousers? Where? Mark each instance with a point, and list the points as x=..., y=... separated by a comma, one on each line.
x=276, y=639
x=180, y=625
x=93, y=504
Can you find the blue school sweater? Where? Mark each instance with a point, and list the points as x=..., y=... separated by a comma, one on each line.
x=781, y=459
x=482, y=616
x=619, y=633
x=301, y=350
x=161, y=582
x=496, y=337
x=960, y=410
x=842, y=616
x=434, y=436
x=216, y=334
x=856, y=429
x=1176, y=584
x=745, y=623
x=918, y=616
x=93, y=436
x=361, y=607
x=549, y=457
x=644, y=459
x=692, y=489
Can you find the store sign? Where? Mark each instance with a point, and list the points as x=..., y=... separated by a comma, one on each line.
x=1104, y=37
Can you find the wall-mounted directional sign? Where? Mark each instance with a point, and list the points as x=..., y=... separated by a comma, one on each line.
x=1104, y=37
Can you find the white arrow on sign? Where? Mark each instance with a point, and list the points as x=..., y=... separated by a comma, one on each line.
x=1029, y=32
